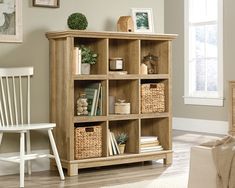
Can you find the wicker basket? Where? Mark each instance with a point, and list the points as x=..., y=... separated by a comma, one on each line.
x=88, y=142
x=152, y=98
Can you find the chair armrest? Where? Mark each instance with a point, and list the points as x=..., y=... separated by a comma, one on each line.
x=202, y=172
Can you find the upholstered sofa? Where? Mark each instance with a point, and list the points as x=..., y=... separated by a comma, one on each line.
x=202, y=173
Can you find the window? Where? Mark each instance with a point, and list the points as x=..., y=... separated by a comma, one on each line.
x=204, y=52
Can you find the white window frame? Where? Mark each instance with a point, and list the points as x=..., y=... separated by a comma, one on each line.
x=217, y=99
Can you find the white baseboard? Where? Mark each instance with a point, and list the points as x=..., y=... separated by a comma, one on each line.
x=7, y=168
x=200, y=125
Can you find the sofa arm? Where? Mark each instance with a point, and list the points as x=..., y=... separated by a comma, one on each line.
x=202, y=172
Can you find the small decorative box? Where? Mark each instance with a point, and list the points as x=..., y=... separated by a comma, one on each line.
x=122, y=108
x=116, y=64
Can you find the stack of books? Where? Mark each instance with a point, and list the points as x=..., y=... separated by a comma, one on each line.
x=94, y=99
x=149, y=144
x=113, y=148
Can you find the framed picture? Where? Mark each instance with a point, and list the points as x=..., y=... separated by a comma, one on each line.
x=11, y=21
x=46, y=3
x=143, y=20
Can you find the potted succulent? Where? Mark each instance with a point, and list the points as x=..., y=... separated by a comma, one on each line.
x=88, y=58
x=121, y=139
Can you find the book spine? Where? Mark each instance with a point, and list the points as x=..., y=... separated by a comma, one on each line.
x=112, y=143
x=115, y=143
x=79, y=61
x=75, y=54
x=97, y=99
x=109, y=144
x=93, y=103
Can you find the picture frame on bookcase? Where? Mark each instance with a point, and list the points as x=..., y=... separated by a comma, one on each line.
x=46, y=3
x=143, y=20
x=11, y=21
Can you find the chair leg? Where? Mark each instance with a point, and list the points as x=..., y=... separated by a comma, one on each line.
x=56, y=155
x=22, y=158
x=28, y=149
x=1, y=135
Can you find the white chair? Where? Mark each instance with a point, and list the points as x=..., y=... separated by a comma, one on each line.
x=15, y=117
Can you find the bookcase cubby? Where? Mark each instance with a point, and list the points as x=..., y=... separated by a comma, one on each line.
x=121, y=90
x=103, y=126
x=131, y=127
x=66, y=86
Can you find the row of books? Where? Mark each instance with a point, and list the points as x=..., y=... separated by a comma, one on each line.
x=149, y=144
x=78, y=60
x=113, y=148
x=94, y=99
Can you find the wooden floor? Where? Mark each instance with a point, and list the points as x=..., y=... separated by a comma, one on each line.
x=119, y=174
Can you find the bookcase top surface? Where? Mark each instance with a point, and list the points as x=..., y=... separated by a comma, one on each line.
x=109, y=34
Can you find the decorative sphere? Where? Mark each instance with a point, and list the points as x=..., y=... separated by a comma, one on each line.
x=77, y=21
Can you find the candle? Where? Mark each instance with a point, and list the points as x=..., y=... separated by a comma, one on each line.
x=144, y=68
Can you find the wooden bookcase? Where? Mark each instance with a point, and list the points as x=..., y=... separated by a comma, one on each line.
x=232, y=108
x=65, y=87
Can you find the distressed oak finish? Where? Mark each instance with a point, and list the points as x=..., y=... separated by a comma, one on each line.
x=232, y=108
x=139, y=174
x=65, y=87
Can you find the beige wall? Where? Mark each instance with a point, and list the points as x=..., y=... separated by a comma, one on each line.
x=174, y=17
x=102, y=15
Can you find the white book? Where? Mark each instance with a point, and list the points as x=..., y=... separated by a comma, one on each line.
x=147, y=139
x=142, y=150
x=77, y=59
x=146, y=151
x=152, y=148
x=115, y=143
x=75, y=54
x=110, y=151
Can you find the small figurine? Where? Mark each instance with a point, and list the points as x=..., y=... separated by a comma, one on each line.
x=151, y=62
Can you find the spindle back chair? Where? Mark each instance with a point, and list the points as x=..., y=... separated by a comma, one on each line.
x=15, y=117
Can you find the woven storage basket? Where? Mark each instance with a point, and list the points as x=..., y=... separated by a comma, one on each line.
x=88, y=142
x=152, y=98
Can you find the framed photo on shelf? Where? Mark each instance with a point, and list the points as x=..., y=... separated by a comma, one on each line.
x=143, y=20
x=11, y=21
x=46, y=3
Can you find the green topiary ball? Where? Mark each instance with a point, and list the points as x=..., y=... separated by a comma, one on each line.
x=77, y=21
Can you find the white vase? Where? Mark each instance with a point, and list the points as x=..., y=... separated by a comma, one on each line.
x=85, y=68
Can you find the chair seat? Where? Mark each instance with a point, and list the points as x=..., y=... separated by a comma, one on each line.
x=26, y=127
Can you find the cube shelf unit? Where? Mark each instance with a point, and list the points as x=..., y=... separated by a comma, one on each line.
x=231, y=107
x=65, y=87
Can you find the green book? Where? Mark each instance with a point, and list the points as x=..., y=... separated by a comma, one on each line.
x=91, y=95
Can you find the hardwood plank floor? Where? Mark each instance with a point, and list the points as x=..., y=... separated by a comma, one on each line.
x=119, y=174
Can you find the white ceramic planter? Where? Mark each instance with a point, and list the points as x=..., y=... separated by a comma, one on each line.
x=85, y=68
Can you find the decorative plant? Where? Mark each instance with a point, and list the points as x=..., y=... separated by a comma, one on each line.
x=121, y=138
x=88, y=56
x=77, y=21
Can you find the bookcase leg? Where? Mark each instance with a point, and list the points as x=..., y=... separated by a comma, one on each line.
x=168, y=159
x=72, y=170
